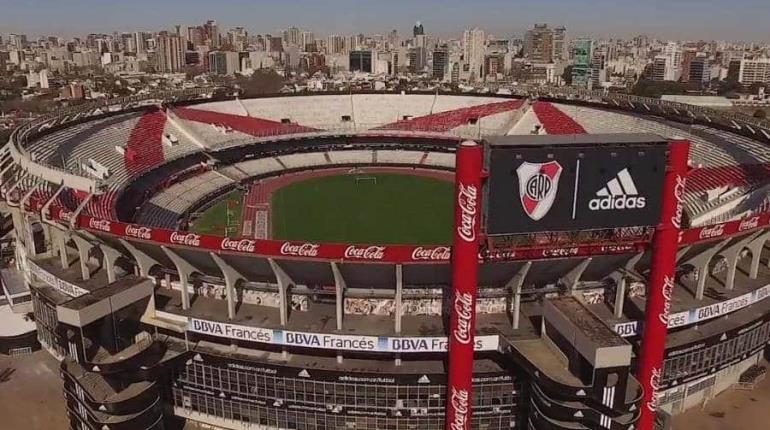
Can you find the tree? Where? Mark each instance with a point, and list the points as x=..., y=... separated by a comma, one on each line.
x=760, y=114
x=263, y=81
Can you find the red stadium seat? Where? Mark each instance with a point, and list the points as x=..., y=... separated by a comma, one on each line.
x=555, y=121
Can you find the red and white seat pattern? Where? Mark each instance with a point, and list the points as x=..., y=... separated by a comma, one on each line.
x=448, y=120
x=554, y=120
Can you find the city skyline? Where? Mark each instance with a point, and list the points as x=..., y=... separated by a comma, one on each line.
x=676, y=20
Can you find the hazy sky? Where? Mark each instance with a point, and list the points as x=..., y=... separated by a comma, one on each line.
x=676, y=19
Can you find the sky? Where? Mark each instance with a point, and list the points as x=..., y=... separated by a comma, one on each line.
x=672, y=19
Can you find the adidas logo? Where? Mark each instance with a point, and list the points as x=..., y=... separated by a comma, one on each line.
x=619, y=193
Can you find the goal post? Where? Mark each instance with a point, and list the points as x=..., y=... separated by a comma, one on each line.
x=366, y=179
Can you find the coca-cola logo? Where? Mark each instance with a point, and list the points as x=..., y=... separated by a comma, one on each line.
x=187, y=239
x=301, y=249
x=467, y=198
x=560, y=252
x=679, y=188
x=749, y=224
x=439, y=253
x=241, y=245
x=711, y=232
x=139, y=232
x=366, y=253
x=64, y=215
x=99, y=224
x=667, y=292
x=460, y=400
x=464, y=312
x=655, y=386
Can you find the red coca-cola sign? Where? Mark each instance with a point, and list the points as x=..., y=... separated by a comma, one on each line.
x=306, y=249
x=460, y=401
x=749, y=224
x=240, y=245
x=712, y=232
x=186, y=239
x=464, y=310
x=139, y=232
x=99, y=224
x=365, y=253
x=467, y=197
x=439, y=253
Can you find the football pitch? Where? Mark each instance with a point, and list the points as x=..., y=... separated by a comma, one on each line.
x=365, y=208
x=223, y=218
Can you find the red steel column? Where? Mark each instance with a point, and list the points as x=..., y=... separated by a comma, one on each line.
x=465, y=267
x=661, y=283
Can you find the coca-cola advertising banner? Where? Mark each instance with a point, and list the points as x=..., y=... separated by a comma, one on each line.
x=566, y=187
x=718, y=231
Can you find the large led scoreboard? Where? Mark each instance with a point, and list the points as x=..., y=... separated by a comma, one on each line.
x=513, y=185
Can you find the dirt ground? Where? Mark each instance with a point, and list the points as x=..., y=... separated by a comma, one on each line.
x=31, y=393
x=731, y=410
x=31, y=399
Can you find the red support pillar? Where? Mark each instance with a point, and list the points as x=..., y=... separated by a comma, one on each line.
x=465, y=267
x=661, y=283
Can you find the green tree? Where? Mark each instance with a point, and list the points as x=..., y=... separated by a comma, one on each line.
x=760, y=114
x=263, y=81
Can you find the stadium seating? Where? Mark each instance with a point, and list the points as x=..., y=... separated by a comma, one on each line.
x=440, y=159
x=144, y=148
x=351, y=157
x=554, y=120
x=244, y=124
x=447, y=120
x=167, y=207
x=304, y=159
x=399, y=157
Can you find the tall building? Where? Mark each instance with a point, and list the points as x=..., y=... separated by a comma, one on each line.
x=473, y=52
x=417, y=59
x=307, y=41
x=335, y=44
x=559, y=43
x=699, y=70
x=659, y=68
x=17, y=41
x=276, y=44
x=224, y=62
x=196, y=36
x=170, y=53
x=598, y=68
x=360, y=61
x=538, y=44
x=582, y=50
x=140, y=39
x=754, y=71
x=673, y=54
x=687, y=57
x=212, y=33
x=238, y=38
x=418, y=30
x=440, y=63
x=292, y=36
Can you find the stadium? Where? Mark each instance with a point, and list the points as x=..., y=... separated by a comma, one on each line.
x=285, y=262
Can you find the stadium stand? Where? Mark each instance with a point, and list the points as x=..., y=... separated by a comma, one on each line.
x=144, y=147
x=554, y=120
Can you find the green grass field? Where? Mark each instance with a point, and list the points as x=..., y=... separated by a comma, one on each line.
x=396, y=209
x=215, y=219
